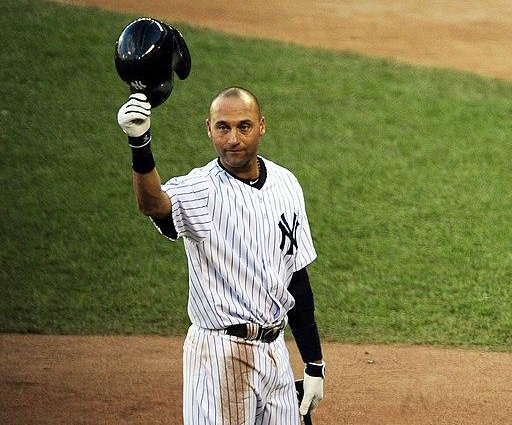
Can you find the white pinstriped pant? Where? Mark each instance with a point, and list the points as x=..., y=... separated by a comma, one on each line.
x=231, y=381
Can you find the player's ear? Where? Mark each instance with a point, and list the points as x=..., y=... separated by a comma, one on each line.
x=263, y=125
x=208, y=127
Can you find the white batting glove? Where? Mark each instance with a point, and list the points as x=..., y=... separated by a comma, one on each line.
x=134, y=116
x=313, y=387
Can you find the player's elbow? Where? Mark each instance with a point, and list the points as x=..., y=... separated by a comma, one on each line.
x=153, y=204
x=153, y=207
x=147, y=208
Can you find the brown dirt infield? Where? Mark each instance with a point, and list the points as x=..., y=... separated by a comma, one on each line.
x=472, y=35
x=137, y=380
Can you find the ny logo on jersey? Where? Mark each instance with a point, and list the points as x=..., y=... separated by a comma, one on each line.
x=289, y=232
x=138, y=85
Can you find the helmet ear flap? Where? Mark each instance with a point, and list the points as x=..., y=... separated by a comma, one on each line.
x=181, y=60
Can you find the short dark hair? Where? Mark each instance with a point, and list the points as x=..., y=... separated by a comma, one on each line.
x=236, y=91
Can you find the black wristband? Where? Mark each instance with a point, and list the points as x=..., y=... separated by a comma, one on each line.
x=315, y=369
x=142, y=157
x=308, y=343
x=140, y=141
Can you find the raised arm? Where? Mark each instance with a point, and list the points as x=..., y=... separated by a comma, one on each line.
x=134, y=119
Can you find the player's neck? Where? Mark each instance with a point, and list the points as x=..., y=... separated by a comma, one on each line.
x=250, y=172
x=256, y=183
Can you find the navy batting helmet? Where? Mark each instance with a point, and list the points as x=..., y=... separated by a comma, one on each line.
x=147, y=54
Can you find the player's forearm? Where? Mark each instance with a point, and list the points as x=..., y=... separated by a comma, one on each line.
x=151, y=200
x=301, y=318
x=134, y=118
x=307, y=339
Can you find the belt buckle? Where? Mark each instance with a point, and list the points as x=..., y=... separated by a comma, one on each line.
x=270, y=334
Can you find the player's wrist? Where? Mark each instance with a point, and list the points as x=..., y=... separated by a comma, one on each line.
x=140, y=141
x=315, y=369
x=142, y=156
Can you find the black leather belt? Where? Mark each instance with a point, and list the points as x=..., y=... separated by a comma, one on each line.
x=253, y=331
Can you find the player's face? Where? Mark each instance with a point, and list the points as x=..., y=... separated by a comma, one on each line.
x=235, y=126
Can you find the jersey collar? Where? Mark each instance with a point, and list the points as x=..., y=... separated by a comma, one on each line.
x=258, y=183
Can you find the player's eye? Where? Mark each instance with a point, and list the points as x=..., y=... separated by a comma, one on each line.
x=245, y=128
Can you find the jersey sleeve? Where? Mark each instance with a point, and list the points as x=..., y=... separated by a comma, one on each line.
x=306, y=252
x=189, y=197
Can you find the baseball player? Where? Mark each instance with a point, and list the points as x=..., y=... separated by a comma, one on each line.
x=248, y=243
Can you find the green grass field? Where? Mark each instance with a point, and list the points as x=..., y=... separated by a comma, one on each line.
x=406, y=172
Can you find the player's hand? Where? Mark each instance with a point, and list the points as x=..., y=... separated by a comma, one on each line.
x=313, y=387
x=134, y=116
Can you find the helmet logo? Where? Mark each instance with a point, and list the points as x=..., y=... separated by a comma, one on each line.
x=138, y=85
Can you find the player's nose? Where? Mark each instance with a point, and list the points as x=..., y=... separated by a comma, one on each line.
x=233, y=138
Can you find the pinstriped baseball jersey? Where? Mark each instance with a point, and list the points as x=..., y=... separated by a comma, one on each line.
x=242, y=243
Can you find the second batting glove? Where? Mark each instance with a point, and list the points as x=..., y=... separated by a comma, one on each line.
x=313, y=387
x=134, y=117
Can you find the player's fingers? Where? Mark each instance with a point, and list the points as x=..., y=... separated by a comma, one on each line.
x=139, y=96
x=136, y=102
x=133, y=111
x=304, y=406
x=134, y=114
x=139, y=103
x=313, y=405
x=137, y=106
x=127, y=120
